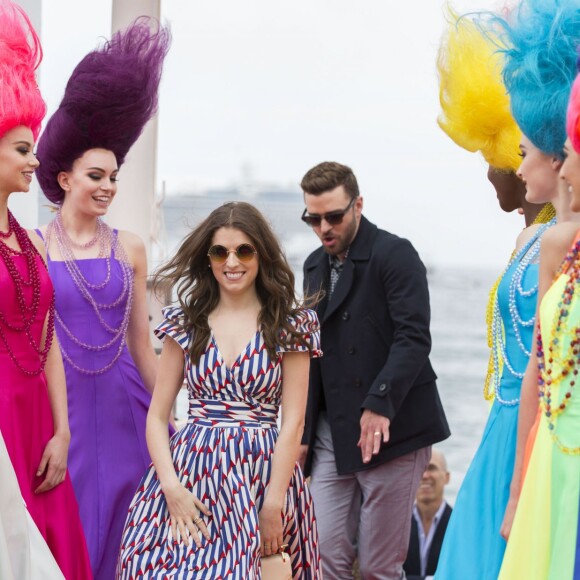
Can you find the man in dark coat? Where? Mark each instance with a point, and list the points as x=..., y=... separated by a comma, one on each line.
x=373, y=407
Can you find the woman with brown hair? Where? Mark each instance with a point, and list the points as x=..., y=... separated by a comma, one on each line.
x=226, y=489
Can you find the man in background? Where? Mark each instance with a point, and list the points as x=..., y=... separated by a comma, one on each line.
x=430, y=517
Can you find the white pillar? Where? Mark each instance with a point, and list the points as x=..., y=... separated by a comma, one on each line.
x=25, y=205
x=133, y=203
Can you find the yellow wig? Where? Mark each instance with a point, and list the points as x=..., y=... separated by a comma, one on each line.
x=475, y=107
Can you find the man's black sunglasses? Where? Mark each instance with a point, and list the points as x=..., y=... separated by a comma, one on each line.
x=332, y=218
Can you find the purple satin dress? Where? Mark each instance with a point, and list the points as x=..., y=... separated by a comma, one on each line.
x=107, y=412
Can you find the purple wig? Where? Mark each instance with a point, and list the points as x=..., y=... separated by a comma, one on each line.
x=20, y=56
x=109, y=98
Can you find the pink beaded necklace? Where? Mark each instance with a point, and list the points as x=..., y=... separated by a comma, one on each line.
x=109, y=248
x=28, y=312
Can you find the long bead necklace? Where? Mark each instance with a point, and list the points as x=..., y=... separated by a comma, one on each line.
x=28, y=312
x=109, y=248
x=524, y=258
x=561, y=364
x=547, y=214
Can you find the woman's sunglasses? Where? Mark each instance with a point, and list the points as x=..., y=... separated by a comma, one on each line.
x=332, y=218
x=219, y=254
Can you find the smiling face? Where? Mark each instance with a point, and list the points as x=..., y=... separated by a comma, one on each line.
x=90, y=186
x=234, y=277
x=570, y=173
x=539, y=172
x=335, y=238
x=17, y=160
x=434, y=480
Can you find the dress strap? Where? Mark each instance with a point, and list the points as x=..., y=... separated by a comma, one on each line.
x=39, y=233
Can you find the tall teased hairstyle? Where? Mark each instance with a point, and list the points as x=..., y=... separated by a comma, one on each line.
x=540, y=52
x=573, y=115
x=20, y=56
x=198, y=290
x=109, y=98
x=475, y=107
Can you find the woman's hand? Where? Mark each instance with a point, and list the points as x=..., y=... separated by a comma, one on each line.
x=53, y=462
x=508, y=518
x=185, y=511
x=271, y=530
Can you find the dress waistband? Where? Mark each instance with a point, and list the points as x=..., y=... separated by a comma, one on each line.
x=214, y=413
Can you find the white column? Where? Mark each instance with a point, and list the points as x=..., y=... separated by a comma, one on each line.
x=133, y=203
x=25, y=205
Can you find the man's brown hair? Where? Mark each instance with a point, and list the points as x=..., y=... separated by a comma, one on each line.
x=328, y=175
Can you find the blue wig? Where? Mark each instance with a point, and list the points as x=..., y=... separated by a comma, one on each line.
x=541, y=37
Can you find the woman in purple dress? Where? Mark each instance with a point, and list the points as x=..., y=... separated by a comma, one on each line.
x=99, y=276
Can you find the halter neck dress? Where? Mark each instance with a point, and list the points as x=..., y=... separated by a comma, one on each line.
x=107, y=411
x=544, y=543
x=473, y=547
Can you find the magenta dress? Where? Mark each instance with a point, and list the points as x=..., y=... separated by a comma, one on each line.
x=26, y=424
x=107, y=411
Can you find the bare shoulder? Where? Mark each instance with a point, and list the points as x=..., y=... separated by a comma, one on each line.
x=37, y=241
x=133, y=245
x=560, y=237
x=526, y=235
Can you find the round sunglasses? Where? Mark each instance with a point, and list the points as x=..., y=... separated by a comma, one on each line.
x=219, y=254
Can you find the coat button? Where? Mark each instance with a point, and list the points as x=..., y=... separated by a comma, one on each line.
x=345, y=315
x=357, y=383
x=351, y=349
x=382, y=387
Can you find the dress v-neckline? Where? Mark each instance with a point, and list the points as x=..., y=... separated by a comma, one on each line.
x=229, y=368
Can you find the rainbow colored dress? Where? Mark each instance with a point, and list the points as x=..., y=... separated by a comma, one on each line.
x=224, y=456
x=543, y=543
x=473, y=548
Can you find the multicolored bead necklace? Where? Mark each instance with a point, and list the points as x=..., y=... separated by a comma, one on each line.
x=28, y=312
x=559, y=365
x=109, y=248
x=526, y=256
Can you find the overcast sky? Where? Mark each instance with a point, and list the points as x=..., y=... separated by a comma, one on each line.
x=278, y=87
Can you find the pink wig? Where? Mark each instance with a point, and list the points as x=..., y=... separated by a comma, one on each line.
x=20, y=56
x=573, y=116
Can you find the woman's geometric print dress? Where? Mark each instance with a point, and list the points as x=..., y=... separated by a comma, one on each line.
x=224, y=456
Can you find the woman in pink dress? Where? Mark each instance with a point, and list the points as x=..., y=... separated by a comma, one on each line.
x=33, y=406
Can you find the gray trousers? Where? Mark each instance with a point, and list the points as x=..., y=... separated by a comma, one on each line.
x=367, y=510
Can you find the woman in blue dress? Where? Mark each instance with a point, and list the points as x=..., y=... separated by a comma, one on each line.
x=226, y=490
x=473, y=547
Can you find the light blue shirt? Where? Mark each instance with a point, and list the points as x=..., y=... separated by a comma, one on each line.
x=425, y=541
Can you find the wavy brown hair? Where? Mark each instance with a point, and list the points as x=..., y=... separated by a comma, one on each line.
x=198, y=291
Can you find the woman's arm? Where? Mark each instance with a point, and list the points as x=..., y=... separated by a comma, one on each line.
x=138, y=333
x=295, y=366
x=555, y=245
x=55, y=455
x=183, y=506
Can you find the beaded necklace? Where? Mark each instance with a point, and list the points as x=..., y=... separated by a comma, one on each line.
x=28, y=312
x=558, y=366
x=524, y=258
x=547, y=213
x=109, y=248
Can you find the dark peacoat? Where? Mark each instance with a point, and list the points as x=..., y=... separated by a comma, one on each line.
x=375, y=342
